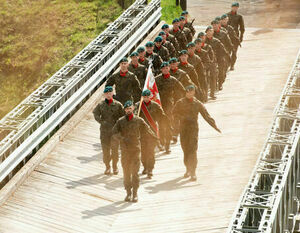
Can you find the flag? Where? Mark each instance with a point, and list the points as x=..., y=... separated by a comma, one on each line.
x=151, y=85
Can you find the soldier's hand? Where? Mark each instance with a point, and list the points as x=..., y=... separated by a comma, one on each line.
x=218, y=130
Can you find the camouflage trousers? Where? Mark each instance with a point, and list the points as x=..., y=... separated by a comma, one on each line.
x=130, y=161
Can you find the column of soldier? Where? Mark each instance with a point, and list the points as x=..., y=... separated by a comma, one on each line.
x=187, y=72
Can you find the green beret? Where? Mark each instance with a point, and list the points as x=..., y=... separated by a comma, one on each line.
x=184, y=13
x=158, y=39
x=224, y=16
x=218, y=18
x=149, y=44
x=134, y=54
x=190, y=88
x=124, y=59
x=201, y=34
x=198, y=40
x=181, y=18
x=128, y=103
x=165, y=26
x=146, y=92
x=214, y=22
x=190, y=45
x=161, y=33
x=108, y=89
x=235, y=4
x=208, y=28
x=164, y=64
x=175, y=21
x=173, y=60
x=141, y=49
x=183, y=52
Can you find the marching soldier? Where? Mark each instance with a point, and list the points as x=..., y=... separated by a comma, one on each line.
x=168, y=45
x=126, y=83
x=156, y=59
x=236, y=20
x=107, y=112
x=154, y=115
x=179, y=74
x=234, y=39
x=162, y=51
x=196, y=61
x=220, y=52
x=187, y=23
x=185, y=30
x=139, y=70
x=170, y=37
x=187, y=110
x=170, y=90
x=142, y=59
x=178, y=34
x=128, y=129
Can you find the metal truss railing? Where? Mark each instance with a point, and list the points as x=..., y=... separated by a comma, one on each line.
x=271, y=199
x=25, y=128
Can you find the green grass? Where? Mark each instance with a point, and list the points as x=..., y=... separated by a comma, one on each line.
x=170, y=11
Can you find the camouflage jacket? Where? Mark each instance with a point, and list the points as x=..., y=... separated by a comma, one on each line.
x=174, y=41
x=140, y=72
x=144, y=62
x=190, y=26
x=170, y=90
x=129, y=132
x=237, y=22
x=190, y=70
x=127, y=87
x=170, y=47
x=181, y=38
x=187, y=112
x=199, y=67
x=182, y=77
x=203, y=54
x=218, y=48
x=210, y=51
x=188, y=34
x=232, y=34
x=156, y=61
x=108, y=114
x=224, y=38
x=163, y=52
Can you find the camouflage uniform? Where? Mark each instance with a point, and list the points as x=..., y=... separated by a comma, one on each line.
x=235, y=41
x=188, y=34
x=163, y=52
x=187, y=111
x=190, y=26
x=107, y=114
x=140, y=72
x=144, y=62
x=181, y=38
x=182, y=77
x=170, y=47
x=170, y=90
x=174, y=41
x=127, y=87
x=237, y=22
x=129, y=131
x=156, y=61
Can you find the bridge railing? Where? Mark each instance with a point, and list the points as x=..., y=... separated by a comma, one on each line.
x=34, y=120
x=270, y=201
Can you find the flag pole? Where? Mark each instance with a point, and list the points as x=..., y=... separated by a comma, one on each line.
x=140, y=105
x=145, y=87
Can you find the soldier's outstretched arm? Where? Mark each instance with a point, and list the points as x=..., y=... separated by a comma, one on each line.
x=207, y=117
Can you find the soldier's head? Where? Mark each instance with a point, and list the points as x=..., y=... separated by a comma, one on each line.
x=209, y=32
x=158, y=41
x=165, y=68
x=141, y=51
x=165, y=28
x=128, y=107
x=108, y=92
x=190, y=91
x=134, y=57
x=146, y=95
x=235, y=6
x=181, y=21
x=149, y=47
x=173, y=63
x=124, y=64
x=163, y=35
x=191, y=48
x=175, y=24
x=224, y=19
x=215, y=25
x=198, y=43
x=185, y=15
x=183, y=56
x=202, y=36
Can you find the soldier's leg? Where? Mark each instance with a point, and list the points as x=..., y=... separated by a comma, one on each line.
x=184, y=145
x=135, y=167
x=105, y=144
x=144, y=154
x=213, y=79
x=151, y=157
x=115, y=154
x=221, y=68
x=233, y=57
x=126, y=165
x=192, y=154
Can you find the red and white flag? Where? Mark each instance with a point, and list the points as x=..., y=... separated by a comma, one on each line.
x=151, y=85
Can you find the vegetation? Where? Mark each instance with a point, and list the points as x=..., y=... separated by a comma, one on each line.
x=38, y=37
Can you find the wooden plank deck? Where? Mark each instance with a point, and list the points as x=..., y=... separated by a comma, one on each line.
x=68, y=192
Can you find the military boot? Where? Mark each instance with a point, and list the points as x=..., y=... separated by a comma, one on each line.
x=150, y=174
x=167, y=148
x=115, y=169
x=128, y=196
x=134, y=196
x=193, y=176
x=187, y=174
x=144, y=172
x=107, y=170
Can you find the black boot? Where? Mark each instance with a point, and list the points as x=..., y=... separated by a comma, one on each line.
x=134, y=196
x=128, y=196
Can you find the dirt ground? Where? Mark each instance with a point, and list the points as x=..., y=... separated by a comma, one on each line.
x=257, y=13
